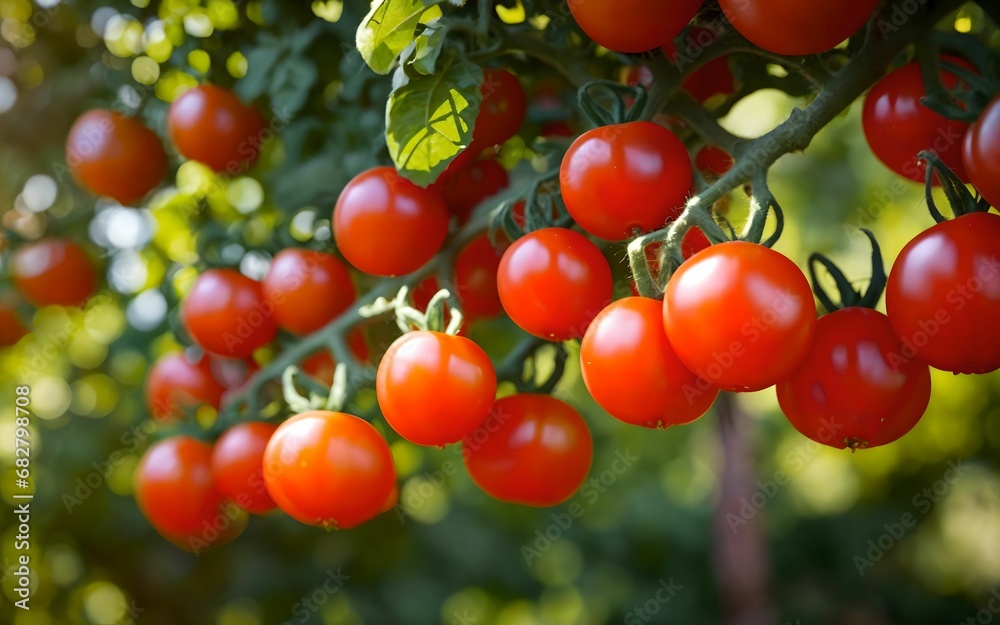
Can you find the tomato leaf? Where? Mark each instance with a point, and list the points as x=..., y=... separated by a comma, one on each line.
x=428, y=48
x=389, y=28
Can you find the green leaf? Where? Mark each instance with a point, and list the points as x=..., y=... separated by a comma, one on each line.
x=293, y=80
x=260, y=65
x=430, y=119
x=389, y=28
x=428, y=48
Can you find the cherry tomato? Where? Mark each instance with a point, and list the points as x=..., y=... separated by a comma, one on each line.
x=175, y=386
x=321, y=364
x=307, y=289
x=631, y=370
x=712, y=78
x=115, y=156
x=981, y=153
x=329, y=469
x=502, y=110
x=12, y=329
x=53, y=272
x=387, y=226
x=739, y=315
x=556, y=129
x=632, y=25
x=795, y=28
x=898, y=126
x=943, y=295
x=854, y=389
x=210, y=125
x=226, y=313
x=621, y=180
x=237, y=465
x=713, y=162
x=471, y=185
x=434, y=389
x=533, y=450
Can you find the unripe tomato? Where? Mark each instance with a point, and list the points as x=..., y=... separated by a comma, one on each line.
x=176, y=385
x=472, y=184
x=387, y=226
x=631, y=370
x=796, y=28
x=210, y=125
x=434, y=389
x=308, y=289
x=739, y=315
x=533, y=450
x=633, y=25
x=981, y=153
x=502, y=110
x=329, y=469
x=237, y=465
x=226, y=313
x=53, y=272
x=855, y=389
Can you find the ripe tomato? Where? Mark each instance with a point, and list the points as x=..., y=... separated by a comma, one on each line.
x=11, y=327
x=115, y=156
x=943, y=295
x=632, y=25
x=53, y=272
x=476, y=269
x=553, y=282
x=329, y=469
x=898, y=126
x=854, y=389
x=795, y=28
x=621, y=180
x=713, y=162
x=502, y=110
x=556, y=129
x=226, y=313
x=712, y=78
x=175, y=385
x=981, y=153
x=307, y=289
x=434, y=389
x=321, y=364
x=631, y=370
x=533, y=450
x=210, y=125
x=739, y=315
x=471, y=185
x=237, y=465
x=387, y=226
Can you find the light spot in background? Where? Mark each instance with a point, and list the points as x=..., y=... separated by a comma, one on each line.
x=103, y=603
x=64, y=564
x=8, y=94
x=245, y=194
x=94, y=395
x=129, y=96
x=302, y=224
x=127, y=272
x=198, y=24
x=145, y=70
x=331, y=10
x=99, y=20
x=758, y=113
x=147, y=310
x=240, y=614
x=50, y=397
x=39, y=193
x=8, y=62
x=255, y=265
x=827, y=484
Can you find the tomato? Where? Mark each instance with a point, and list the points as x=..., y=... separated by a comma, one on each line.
x=175, y=386
x=796, y=28
x=713, y=162
x=434, y=389
x=475, y=282
x=115, y=156
x=308, y=289
x=943, y=295
x=631, y=370
x=321, y=364
x=981, y=153
x=53, y=272
x=472, y=184
x=226, y=313
x=329, y=469
x=12, y=329
x=210, y=125
x=237, y=465
x=387, y=226
x=556, y=129
x=898, y=126
x=739, y=315
x=533, y=450
x=622, y=180
x=632, y=25
x=854, y=389
x=712, y=78
x=502, y=110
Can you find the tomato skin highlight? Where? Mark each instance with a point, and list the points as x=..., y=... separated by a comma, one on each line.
x=533, y=450
x=175, y=384
x=795, y=28
x=739, y=315
x=329, y=469
x=237, y=465
x=434, y=389
x=553, y=282
x=210, y=125
x=409, y=223
x=943, y=295
x=633, y=25
x=226, y=313
x=618, y=181
x=53, y=272
x=308, y=289
x=981, y=153
x=631, y=370
x=502, y=110
x=855, y=389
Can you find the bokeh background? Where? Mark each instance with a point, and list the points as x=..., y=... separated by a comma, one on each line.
x=800, y=533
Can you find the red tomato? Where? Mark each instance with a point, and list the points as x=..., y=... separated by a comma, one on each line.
x=713, y=162
x=12, y=329
x=712, y=78
x=471, y=185
x=53, y=272
x=898, y=126
x=981, y=153
x=553, y=282
x=176, y=385
x=943, y=295
x=329, y=469
x=533, y=450
x=740, y=315
x=796, y=28
x=854, y=389
x=434, y=389
x=307, y=289
x=321, y=364
x=556, y=129
x=210, y=125
x=237, y=465
x=115, y=156
x=622, y=180
x=632, y=25
x=502, y=110
x=226, y=313
x=476, y=279
x=631, y=370
x=387, y=226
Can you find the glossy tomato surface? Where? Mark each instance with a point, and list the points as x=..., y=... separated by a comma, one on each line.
x=227, y=314
x=633, y=25
x=981, y=153
x=307, y=288
x=502, y=110
x=794, y=27
x=237, y=465
x=53, y=272
x=210, y=125
x=176, y=386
